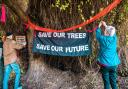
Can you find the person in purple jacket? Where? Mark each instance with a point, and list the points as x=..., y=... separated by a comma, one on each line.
x=108, y=58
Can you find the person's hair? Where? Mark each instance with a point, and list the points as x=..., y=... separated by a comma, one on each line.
x=111, y=30
x=9, y=33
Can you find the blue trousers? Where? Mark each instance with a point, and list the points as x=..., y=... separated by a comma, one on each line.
x=8, y=69
x=109, y=75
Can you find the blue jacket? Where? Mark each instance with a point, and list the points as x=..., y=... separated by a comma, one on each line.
x=108, y=49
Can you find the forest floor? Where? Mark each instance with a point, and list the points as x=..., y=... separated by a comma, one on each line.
x=68, y=80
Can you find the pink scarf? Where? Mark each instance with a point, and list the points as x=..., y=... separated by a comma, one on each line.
x=3, y=14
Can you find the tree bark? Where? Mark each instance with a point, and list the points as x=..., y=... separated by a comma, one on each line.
x=40, y=75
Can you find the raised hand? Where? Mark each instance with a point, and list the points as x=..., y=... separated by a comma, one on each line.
x=104, y=23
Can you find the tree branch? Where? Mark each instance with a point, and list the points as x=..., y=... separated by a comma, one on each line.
x=16, y=9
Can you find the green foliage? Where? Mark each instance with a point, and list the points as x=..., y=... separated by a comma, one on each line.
x=62, y=6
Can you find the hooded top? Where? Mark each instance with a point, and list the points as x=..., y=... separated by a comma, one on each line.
x=108, y=49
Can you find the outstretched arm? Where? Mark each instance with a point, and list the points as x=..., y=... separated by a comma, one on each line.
x=98, y=31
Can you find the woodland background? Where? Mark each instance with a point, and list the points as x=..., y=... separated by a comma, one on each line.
x=56, y=72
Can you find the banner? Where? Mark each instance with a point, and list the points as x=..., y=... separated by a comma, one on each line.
x=62, y=44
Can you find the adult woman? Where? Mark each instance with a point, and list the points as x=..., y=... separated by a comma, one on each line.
x=108, y=58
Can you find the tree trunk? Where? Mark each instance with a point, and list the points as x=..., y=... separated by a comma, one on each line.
x=42, y=76
x=39, y=74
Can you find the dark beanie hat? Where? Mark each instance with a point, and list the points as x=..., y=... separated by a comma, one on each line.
x=8, y=33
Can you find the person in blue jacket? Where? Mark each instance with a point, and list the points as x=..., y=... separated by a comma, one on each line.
x=1, y=64
x=108, y=57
